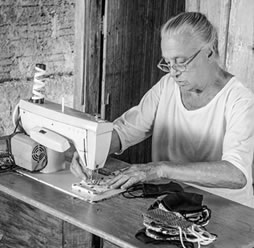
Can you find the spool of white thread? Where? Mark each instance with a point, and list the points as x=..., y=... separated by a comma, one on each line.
x=39, y=84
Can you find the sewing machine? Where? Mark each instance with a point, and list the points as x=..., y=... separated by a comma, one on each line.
x=55, y=126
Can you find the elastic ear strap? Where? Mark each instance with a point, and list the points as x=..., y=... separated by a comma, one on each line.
x=201, y=217
x=129, y=193
x=202, y=236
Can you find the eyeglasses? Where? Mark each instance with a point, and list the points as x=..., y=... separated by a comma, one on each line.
x=166, y=67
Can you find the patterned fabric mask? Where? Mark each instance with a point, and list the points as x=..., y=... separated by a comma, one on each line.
x=162, y=224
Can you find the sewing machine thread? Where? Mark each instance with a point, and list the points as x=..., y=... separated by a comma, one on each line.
x=39, y=84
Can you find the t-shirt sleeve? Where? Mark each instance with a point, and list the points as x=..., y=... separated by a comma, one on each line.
x=238, y=145
x=136, y=124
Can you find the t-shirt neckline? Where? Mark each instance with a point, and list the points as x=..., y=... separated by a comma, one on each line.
x=180, y=103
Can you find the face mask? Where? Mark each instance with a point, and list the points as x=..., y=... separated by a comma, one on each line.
x=148, y=190
x=189, y=205
x=179, y=217
x=167, y=225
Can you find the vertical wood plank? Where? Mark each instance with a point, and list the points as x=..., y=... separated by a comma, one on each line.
x=133, y=51
x=107, y=244
x=240, y=51
x=94, y=57
x=79, y=54
x=75, y=237
x=88, y=55
x=25, y=226
x=217, y=12
x=192, y=5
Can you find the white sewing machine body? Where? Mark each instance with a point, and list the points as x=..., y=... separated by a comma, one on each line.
x=50, y=125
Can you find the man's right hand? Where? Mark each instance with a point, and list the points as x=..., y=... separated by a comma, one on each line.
x=78, y=169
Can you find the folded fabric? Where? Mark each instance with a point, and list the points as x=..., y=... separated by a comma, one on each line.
x=167, y=225
x=182, y=202
x=166, y=220
x=154, y=190
x=149, y=190
x=142, y=236
x=178, y=216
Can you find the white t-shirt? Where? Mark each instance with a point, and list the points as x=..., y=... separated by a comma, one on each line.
x=221, y=130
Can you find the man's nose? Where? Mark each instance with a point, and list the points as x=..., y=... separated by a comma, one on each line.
x=175, y=73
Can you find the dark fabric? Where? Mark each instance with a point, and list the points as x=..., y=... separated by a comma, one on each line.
x=153, y=190
x=182, y=202
x=150, y=190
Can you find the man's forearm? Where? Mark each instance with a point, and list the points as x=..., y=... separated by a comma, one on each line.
x=220, y=174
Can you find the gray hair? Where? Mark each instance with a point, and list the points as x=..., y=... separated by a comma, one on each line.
x=197, y=25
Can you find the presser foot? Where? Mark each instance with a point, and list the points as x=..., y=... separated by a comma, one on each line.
x=94, y=178
x=92, y=189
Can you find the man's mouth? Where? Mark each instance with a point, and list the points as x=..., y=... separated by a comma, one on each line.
x=181, y=83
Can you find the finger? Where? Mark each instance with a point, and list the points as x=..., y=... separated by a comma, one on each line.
x=123, y=181
x=76, y=168
x=129, y=183
x=113, y=180
x=117, y=172
x=77, y=171
x=108, y=181
x=83, y=168
x=73, y=171
x=119, y=183
x=115, y=176
x=81, y=162
x=75, y=156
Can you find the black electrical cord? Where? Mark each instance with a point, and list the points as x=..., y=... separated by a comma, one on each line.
x=7, y=161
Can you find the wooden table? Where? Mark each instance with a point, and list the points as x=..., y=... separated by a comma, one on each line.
x=35, y=215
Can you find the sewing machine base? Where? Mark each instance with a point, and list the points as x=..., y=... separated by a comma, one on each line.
x=94, y=193
x=64, y=181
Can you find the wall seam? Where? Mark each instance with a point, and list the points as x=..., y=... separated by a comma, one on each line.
x=227, y=34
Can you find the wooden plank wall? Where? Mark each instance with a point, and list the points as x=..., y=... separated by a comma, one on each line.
x=118, y=66
x=240, y=51
x=133, y=49
x=30, y=227
x=88, y=55
x=234, y=20
x=132, y=53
